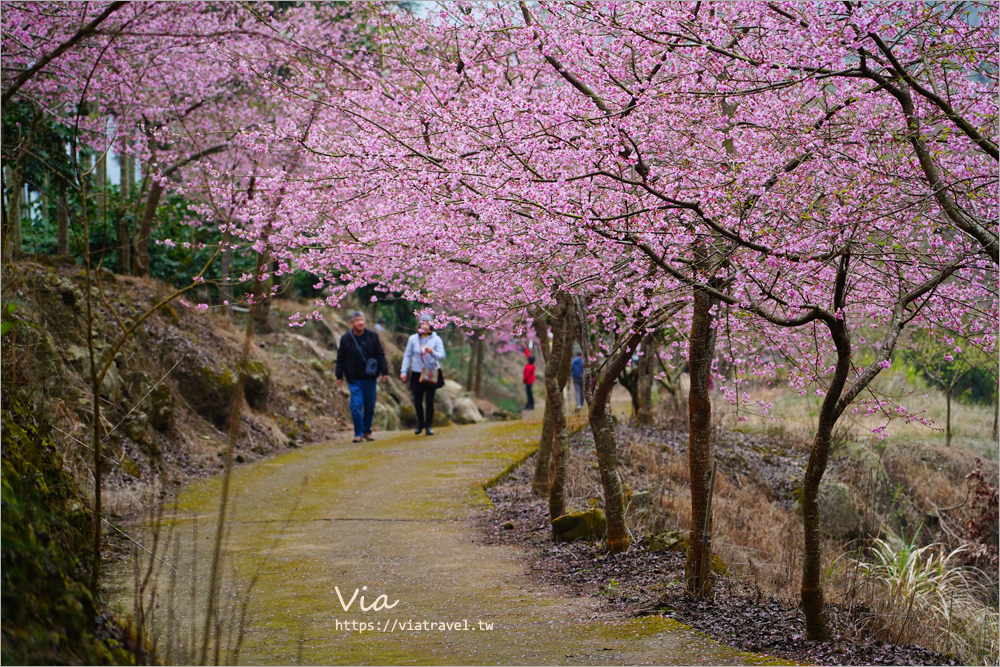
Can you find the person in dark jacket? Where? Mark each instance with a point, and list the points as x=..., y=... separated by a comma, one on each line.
x=529, y=381
x=576, y=367
x=361, y=359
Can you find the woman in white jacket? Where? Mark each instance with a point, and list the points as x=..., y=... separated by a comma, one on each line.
x=425, y=349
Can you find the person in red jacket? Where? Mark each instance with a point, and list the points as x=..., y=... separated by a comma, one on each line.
x=529, y=379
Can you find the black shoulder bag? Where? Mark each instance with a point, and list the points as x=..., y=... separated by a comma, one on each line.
x=371, y=365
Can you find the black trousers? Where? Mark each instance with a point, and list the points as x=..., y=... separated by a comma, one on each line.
x=423, y=400
x=531, y=398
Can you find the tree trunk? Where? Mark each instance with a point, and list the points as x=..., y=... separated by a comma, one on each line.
x=480, y=353
x=470, y=379
x=602, y=426
x=262, y=310
x=102, y=186
x=46, y=198
x=226, y=262
x=146, y=228
x=813, y=604
x=12, y=231
x=629, y=380
x=559, y=453
x=701, y=350
x=644, y=413
x=540, y=481
x=947, y=418
x=123, y=233
x=62, y=224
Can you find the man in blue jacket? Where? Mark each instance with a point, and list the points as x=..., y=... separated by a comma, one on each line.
x=577, y=370
x=361, y=359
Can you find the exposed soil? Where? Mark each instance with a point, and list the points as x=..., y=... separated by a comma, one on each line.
x=640, y=582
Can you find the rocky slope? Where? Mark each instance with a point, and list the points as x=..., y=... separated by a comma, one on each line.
x=171, y=388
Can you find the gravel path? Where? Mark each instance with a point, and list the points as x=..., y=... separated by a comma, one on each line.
x=396, y=516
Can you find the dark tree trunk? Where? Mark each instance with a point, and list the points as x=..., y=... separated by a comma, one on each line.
x=46, y=198
x=146, y=228
x=813, y=604
x=559, y=454
x=602, y=426
x=644, y=411
x=102, y=186
x=12, y=215
x=471, y=377
x=225, y=263
x=123, y=233
x=540, y=481
x=124, y=247
x=262, y=310
x=701, y=350
x=62, y=224
x=480, y=352
x=630, y=380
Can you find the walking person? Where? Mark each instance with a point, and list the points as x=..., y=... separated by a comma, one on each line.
x=361, y=359
x=529, y=380
x=576, y=369
x=422, y=359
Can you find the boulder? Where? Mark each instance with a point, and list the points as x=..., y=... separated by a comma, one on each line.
x=672, y=540
x=386, y=418
x=135, y=425
x=589, y=525
x=441, y=419
x=209, y=388
x=838, y=515
x=67, y=290
x=407, y=416
x=677, y=540
x=466, y=412
x=837, y=512
x=49, y=364
x=443, y=404
x=257, y=385
x=161, y=407
x=452, y=389
x=137, y=384
x=486, y=407
x=111, y=386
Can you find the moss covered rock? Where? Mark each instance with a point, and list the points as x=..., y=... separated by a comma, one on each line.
x=407, y=416
x=257, y=385
x=49, y=615
x=672, y=540
x=386, y=417
x=677, y=540
x=589, y=525
x=467, y=412
x=161, y=407
x=209, y=388
x=441, y=419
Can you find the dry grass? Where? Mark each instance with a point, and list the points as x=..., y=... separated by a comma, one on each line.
x=972, y=425
x=759, y=536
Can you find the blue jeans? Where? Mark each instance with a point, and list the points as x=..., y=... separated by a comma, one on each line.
x=578, y=385
x=362, y=405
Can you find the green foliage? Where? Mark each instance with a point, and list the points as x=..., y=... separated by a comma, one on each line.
x=7, y=325
x=49, y=615
x=970, y=375
x=926, y=578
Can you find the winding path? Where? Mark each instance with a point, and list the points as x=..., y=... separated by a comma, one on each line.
x=395, y=516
